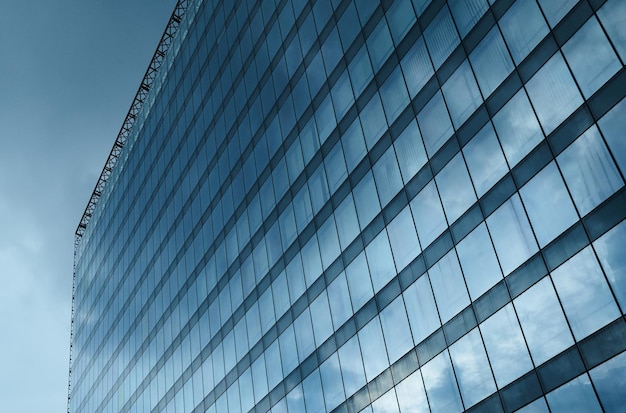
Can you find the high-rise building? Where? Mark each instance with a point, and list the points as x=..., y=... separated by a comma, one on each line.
x=354, y=205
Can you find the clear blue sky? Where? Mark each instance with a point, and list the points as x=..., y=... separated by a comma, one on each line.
x=69, y=70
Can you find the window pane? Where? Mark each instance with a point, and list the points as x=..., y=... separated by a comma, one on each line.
x=455, y=186
x=332, y=382
x=472, y=368
x=379, y=45
x=416, y=67
x=347, y=222
x=612, y=16
x=613, y=125
x=517, y=128
x=441, y=37
x=411, y=394
x=553, y=93
x=410, y=151
x=511, y=234
x=351, y=366
x=586, y=297
x=373, y=348
x=366, y=200
x=394, y=95
x=448, y=286
x=443, y=394
x=339, y=300
x=312, y=391
x=401, y=18
x=556, y=10
x=421, y=309
x=380, y=261
x=574, y=396
x=428, y=214
x=505, y=346
x=360, y=70
x=538, y=406
x=479, y=262
x=543, y=321
x=435, y=124
x=461, y=94
x=589, y=171
x=610, y=381
x=403, y=238
x=523, y=27
x=387, y=176
x=491, y=61
x=386, y=403
x=466, y=13
x=485, y=160
x=548, y=204
x=610, y=249
x=589, y=40
x=353, y=145
x=373, y=121
x=396, y=329
x=359, y=282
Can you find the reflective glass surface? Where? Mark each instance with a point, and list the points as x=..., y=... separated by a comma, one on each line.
x=351, y=205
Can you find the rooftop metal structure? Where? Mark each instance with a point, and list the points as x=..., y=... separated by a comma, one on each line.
x=138, y=102
x=133, y=112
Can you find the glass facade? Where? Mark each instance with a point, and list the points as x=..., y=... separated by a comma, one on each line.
x=354, y=205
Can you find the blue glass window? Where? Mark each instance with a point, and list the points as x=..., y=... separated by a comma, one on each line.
x=610, y=249
x=410, y=151
x=549, y=206
x=396, y=329
x=394, y=95
x=347, y=222
x=461, y=94
x=518, y=128
x=353, y=144
x=472, y=368
x=576, y=395
x=523, y=26
x=366, y=200
x=360, y=70
x=479, y=262
x=359, y=283
x=332, y=383
x=434, y=122
x=379, y=44
x=351, y=366
x=387, y=176
x=467, y=13
x=416, y=67
x=511, y=234
x=421, y=309
x=491, y=62
x=553, y=93
x=448, y=286
x=585, y=294
x=428, y=214
x=411, y=394
x=339, y=300
x=401, y=18
x=403, y=238
x=380, y=260
x=373, y=121
x=455, y=187
x=505, y=346
x=441, y=388
x=485, y=160
x=612, y=15
x=591, y=74
x=543, y=322
x=589, y=171
x=609, y=382
x=613, y=125
x=556, y=10
x=441, y=37
x=373, y=349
